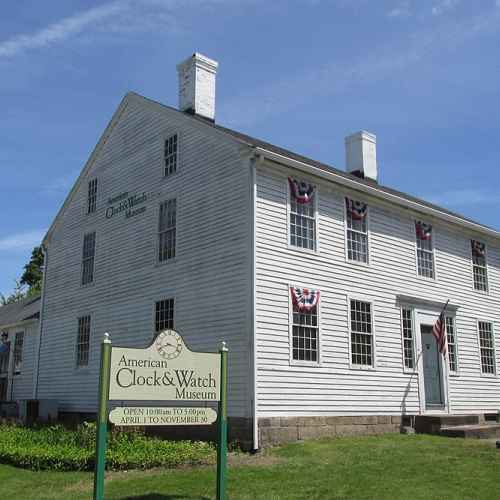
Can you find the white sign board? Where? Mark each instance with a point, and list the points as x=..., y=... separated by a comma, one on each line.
x=162, y=416
x=166, y=370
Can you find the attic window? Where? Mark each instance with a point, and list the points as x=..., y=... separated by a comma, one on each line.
x=170, y=155
x=92, y=196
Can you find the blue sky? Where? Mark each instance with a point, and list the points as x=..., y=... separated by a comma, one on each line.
x=421, y=74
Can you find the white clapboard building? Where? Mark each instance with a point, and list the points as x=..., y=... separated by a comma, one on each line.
x=324, y=283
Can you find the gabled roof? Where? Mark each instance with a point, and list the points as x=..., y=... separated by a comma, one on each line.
x=353, y=180
x=23, y=310
x=280, y=154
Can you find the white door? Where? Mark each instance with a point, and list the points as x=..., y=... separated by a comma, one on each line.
x=431, y=360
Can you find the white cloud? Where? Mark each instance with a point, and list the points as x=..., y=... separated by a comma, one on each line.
x=119, y=16
x=402, y=10
x=61, y=30
x=21, y=241
x=443, y=6
x=464, y=197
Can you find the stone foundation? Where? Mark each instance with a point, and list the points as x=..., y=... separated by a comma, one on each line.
x=278, y=430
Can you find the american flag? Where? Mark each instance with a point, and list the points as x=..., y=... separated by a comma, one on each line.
x=439, y=332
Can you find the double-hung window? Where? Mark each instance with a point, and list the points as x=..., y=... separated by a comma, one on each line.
x=305, y=326
x=88, y=256
x=357, y=230
x=451, y=338
x=425, y=250
x=408, y=338
x=302, y=214
x=164, y=315
x=83, y=341
x=479, y=269
x=362, y=348
x=92, y=196
x=18, y=352
x=167, y=230
x=487, y=347
x=170, y=156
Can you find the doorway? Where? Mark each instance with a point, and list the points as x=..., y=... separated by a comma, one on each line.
x=432, y=365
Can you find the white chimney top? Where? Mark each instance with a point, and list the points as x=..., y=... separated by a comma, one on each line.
x=361, y=155
x=197, y=85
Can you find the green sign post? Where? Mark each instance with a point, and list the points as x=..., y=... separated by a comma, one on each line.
x=222, y=430
x=102, y=419
x=166, y=370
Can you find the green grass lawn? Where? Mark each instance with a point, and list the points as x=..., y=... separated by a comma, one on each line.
x=391, y=466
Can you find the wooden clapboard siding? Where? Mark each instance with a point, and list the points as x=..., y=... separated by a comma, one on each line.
x=208, y=277
x=332, y=387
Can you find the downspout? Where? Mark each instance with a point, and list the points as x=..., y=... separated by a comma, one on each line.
x=40, y=327
x=253, y=202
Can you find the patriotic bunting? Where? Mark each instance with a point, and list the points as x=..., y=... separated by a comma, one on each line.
x=478, y=248
x=357, y=209
x=304, y=299
x=301, y=191
x=424, y=231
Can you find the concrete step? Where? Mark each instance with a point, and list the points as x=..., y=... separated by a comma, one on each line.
x=478, y=431
x=432, y=424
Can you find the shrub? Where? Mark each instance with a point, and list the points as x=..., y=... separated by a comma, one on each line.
x=56, y=448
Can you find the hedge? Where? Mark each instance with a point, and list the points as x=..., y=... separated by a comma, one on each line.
x=56, y=448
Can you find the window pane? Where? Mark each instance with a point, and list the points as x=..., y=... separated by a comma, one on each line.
x=302, y=224
x=88, y=255
x=408, y=345
x=170, y=155
x=92, y=196
x=361, y=333
x=487, y=348
x=452, y=344
x=164, y=315
x=305, y=334
x=18, y=352
x=83, y=340
x=167, y=230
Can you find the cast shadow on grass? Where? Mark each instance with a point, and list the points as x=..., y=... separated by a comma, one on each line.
x=158, y=496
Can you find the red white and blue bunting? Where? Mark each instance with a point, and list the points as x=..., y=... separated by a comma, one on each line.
x=478, y=248
x=302, y=192
x=424, y=231
x=356, y=209
x=304, y=299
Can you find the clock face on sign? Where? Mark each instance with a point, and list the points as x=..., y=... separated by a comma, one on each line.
x=169, y=344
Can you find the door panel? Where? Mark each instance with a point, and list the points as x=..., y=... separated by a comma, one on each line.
x=432, y=368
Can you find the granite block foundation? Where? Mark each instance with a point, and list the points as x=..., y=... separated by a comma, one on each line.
x=279, y=430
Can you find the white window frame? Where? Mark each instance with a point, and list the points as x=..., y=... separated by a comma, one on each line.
x=433, y=253
x=22, y=335
x=487, y=291
x=302, y=362
x=92, y=199
x=346, y=229
x=413, y=332
x=177, y=164
x=491, y=322
x=157, y=234
x=79, y=366
x=368, y=300
x=84, y=259
x=166, y=297
x=315, y=202
x=453, y=373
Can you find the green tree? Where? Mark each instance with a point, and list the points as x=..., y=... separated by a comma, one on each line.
x=16, y=295
x=33, y=272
